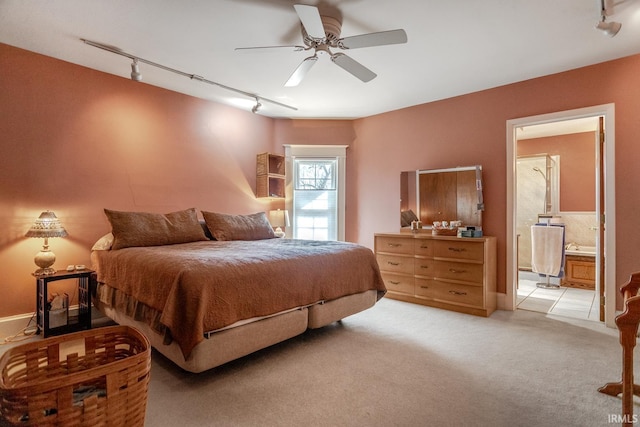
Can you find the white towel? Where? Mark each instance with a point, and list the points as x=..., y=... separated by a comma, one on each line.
x=546, y=249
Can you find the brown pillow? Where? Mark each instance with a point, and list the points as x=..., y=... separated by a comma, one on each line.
x=239, y=227
x=152, y=229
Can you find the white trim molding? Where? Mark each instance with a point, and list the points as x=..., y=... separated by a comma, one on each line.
x=508, y=301
x=338, y=152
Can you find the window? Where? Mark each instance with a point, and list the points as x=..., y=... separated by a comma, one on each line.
x=315, y=200
x=315, y=191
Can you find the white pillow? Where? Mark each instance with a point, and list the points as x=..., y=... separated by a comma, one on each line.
x=104, y=243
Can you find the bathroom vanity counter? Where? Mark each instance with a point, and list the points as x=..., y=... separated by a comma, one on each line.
x=580, y=271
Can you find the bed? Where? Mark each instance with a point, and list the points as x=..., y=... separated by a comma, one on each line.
x=208, y=292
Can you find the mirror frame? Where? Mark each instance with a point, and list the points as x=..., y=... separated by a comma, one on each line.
x=415, y=205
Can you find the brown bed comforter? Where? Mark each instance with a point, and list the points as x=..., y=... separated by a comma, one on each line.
x=204, y=286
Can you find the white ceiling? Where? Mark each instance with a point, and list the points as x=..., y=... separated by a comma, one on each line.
x=454, y=46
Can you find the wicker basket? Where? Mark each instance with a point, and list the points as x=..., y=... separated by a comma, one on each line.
x=97, y=377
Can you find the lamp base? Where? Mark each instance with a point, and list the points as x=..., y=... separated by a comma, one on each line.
x=44, y=259
x=278, y=232
x=44, y=271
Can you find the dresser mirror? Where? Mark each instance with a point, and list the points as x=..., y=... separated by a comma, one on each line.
x=453, y=194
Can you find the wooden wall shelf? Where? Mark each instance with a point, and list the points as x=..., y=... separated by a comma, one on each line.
x=270, y=175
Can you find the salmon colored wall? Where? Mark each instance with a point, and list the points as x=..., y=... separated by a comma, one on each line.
x=471, y=129
x=577, y=153
x=75, y=141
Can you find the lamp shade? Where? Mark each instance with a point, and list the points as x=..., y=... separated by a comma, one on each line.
x=279, y=218
x=47, y=225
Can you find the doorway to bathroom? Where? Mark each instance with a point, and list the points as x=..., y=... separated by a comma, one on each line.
x=562, y=174
x=569, y=292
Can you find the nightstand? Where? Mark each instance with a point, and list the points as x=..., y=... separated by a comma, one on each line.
x=56, y=320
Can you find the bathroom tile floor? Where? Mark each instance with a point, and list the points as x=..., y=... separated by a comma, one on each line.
x=568, y=302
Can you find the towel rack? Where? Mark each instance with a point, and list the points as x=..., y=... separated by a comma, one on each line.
x=548, y=284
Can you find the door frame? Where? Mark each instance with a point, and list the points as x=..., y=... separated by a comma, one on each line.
x=608, y=112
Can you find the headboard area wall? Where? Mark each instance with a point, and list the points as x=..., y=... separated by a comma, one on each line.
x=75, y=140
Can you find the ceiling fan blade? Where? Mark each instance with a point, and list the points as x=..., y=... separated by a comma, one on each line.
x=354, y=67
x=301, y=71
x=261, y=49
x=374, y=39
x=311, y=21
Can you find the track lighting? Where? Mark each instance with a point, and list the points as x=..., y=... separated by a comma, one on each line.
x=609, y=28
x=256, y=107
x=135, y=75
x=135, y=71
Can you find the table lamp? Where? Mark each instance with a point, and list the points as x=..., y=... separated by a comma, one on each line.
x=47, y=225
x=278, y=219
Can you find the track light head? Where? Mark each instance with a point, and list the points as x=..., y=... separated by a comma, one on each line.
x=609, y=28
x=256, y=107
x=135, y=71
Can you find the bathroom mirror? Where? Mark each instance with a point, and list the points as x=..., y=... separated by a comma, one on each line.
x=453, y=194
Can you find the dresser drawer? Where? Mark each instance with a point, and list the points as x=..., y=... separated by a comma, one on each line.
x=395, y=245
x=424, y=267
x=426, y=287
x=457, y=294
x=459, y=249
x=466, y=272
x=395, y=263
x=398, y=283
x=423, y=247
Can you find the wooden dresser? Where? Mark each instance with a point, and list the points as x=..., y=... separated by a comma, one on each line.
x=446, y=272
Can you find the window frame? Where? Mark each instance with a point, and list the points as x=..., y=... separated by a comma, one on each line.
x=317, y=152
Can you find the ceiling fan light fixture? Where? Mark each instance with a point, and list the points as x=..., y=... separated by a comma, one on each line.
x=136, y=76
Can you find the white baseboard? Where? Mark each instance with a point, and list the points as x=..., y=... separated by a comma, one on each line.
x=12, y=325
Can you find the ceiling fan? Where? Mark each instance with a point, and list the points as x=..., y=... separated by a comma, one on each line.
x=321, y=33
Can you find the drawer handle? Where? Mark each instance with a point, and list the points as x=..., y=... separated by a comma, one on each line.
x=393, y=282
x=394, y=245
x=457, y=293
x=424, y=287
x=457, y=249
x=393, y=263
x=424, y=247
x=453, y=270
x=424, y=266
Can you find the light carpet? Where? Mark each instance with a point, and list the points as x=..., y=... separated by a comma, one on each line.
x=400, y=364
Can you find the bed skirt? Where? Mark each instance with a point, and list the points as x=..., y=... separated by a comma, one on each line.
x=232, y=343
